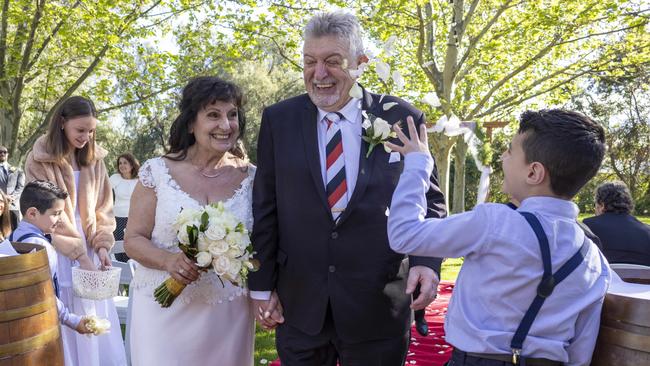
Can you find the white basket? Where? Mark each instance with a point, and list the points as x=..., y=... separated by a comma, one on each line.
x=96, y=285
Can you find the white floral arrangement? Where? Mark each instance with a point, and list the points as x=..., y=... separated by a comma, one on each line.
x=378, y=131
x=215, y=239
x=97, y=326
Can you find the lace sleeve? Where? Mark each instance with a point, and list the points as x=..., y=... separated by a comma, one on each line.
x=146, y=174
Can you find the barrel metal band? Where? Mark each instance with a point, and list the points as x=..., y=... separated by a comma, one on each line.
x=27, y=311
x=29, y=344
x=22, y=262
x=43, y=274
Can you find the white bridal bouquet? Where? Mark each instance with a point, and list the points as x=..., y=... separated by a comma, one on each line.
x=215, y=239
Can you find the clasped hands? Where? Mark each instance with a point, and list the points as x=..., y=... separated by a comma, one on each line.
x=269, y=312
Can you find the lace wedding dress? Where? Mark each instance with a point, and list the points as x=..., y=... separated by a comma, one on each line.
x=209, y=323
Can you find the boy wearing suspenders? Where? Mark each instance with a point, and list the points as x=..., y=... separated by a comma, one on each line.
x=41, y=206
x=532, y=285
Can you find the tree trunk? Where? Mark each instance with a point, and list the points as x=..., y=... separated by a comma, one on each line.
x=460, y=152
x=441, y=146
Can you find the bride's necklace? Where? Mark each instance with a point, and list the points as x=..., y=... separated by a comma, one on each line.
x=201, y=171
x=208, y=175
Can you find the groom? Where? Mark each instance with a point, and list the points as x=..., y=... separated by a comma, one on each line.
x=328, y=278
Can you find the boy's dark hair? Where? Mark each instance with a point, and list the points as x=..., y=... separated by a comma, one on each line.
x=40, y=194
x=615, y=197
x=570, y=145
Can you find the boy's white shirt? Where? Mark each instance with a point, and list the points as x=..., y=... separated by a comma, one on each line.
x=502, y=268
x=66, y=317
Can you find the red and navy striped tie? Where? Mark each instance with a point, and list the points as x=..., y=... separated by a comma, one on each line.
x=337, y=188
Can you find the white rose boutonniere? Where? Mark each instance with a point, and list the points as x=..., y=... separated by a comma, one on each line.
x=378, y=131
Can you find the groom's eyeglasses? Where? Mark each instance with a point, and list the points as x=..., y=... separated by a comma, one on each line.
x=3, y=152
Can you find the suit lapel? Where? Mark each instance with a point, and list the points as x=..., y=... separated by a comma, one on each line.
x=310, y=143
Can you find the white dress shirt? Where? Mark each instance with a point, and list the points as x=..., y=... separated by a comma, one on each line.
x=502, y=269
x=351, y=138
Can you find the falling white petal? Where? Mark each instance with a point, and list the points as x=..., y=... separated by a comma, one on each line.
x=389, y=46
x=383, y=70
x=389, y=105
x=436, y=128
x=453, y=121
x=366, y=124
x=356, y=92
x=355, y=73
x=399, y=80
x=344, y=64
x=431, y=99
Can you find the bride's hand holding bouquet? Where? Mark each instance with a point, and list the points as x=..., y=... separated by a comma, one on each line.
x=209, y=238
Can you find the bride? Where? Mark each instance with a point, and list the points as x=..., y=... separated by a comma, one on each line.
x=209, y=322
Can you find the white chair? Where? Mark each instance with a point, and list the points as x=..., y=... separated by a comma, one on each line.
x=118, y=247
x=123, y=303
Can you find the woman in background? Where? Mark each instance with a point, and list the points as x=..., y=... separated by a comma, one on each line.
x=7, y=219
x=123, y=184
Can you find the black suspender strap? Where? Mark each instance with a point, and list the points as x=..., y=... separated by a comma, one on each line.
x=546, y=285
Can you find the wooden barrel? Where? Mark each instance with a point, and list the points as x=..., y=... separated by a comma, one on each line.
x=624, y=337
x=29, y=324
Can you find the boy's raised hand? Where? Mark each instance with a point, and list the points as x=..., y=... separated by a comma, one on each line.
x=416, y=142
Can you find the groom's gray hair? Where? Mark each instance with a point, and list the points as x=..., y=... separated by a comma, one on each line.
x=340, y=24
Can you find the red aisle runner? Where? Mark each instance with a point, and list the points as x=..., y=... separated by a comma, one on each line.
x=431, y=350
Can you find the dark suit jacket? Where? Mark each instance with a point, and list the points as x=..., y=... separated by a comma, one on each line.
x=624, y=238
x=304, y=255
x=12, y=183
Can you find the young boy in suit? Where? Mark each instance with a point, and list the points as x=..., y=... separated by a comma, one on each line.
x=41, y=204
x=512, y=305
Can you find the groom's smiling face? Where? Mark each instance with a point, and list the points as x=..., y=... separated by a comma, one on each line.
x=326, y=79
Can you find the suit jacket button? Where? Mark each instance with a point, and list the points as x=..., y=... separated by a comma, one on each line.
x=334, y=235
x=332, y=269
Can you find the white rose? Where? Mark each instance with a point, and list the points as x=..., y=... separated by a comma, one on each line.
x=237, y=238
x=215, y=231
x=182, y=236
x=235, y=251
x=218, y=247
x=213, y=211
x=203, y=243
x=381, y=128
x=186, y=216
x=221, y=265
x=203, y=259
x=229, y=220
x=235, y=267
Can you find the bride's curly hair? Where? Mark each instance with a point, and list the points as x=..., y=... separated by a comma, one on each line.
x=199, y=93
